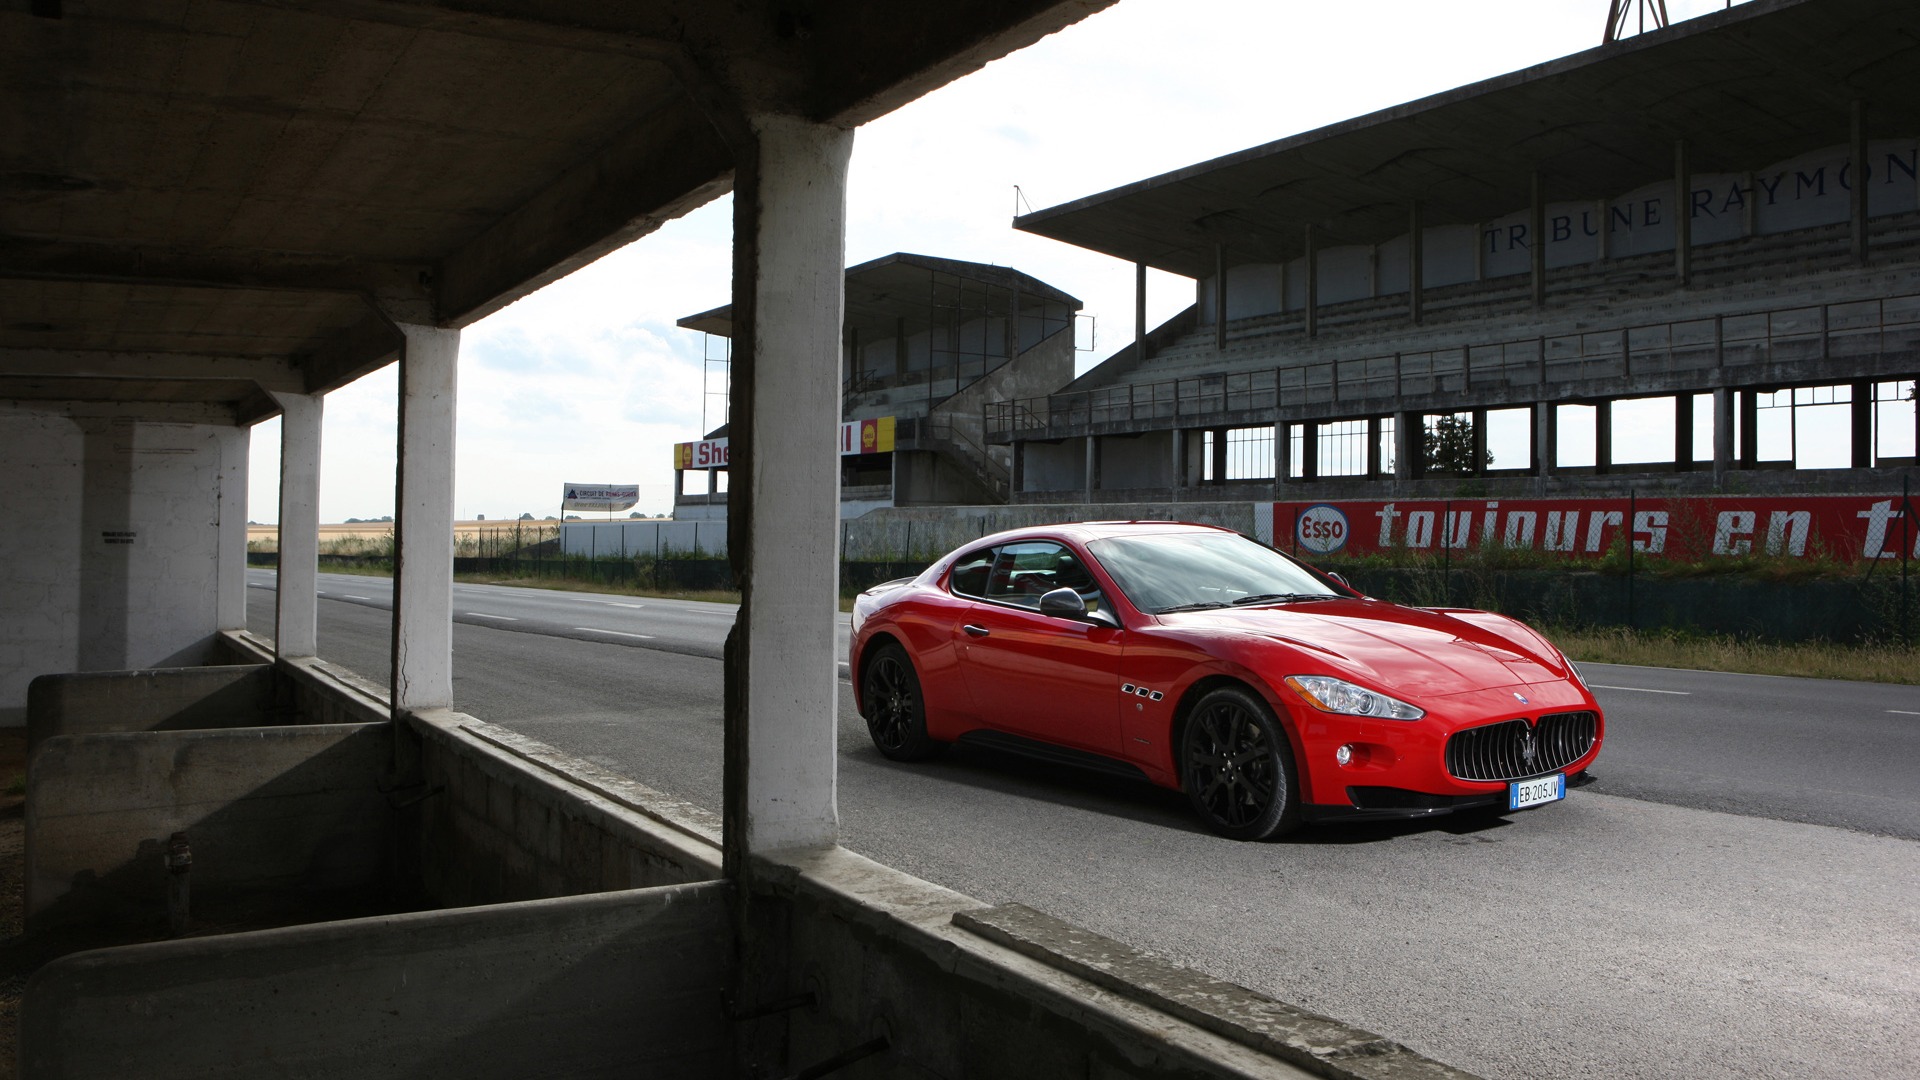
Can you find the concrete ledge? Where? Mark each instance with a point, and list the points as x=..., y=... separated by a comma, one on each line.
x=158, y=699
x=880, y=951
x=1326, y=1046
x=612, y=985
x=294, y=809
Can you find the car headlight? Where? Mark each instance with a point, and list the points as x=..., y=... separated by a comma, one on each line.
x=1329, y=694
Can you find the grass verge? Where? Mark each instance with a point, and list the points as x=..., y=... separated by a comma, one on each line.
x=1811, y=660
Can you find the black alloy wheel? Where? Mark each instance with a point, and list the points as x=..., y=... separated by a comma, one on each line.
x=1237, y=768
x=896, y=716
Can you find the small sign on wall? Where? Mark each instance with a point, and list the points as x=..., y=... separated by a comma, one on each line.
x=116, y=536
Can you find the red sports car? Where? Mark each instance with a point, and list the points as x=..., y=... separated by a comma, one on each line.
x=1202, y=660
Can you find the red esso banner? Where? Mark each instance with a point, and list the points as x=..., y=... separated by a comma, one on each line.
x=1848, y=528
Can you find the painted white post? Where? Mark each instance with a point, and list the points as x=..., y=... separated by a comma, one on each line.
x=423, y=521
x=297, y=597
x=783, y=750
x=230, y=574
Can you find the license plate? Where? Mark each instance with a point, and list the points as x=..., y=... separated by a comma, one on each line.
x=1544, y=789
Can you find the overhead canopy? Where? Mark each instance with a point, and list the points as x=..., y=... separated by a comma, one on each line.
x=1743, y=87
x=199, y=202
x=913, y=288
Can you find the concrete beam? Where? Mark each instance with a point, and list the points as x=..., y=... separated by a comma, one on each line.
x=64, y=260
x=423, y=521
x=270, y=373
x=783, y=528
x=296, y=599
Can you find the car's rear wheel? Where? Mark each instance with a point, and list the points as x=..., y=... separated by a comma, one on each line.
x=896, y=715
x=1237, y=768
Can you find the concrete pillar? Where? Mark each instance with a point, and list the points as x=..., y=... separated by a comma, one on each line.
x=790, y=197
x=1722, y=433
x=297, y=598
x=1602, y=436
x=1537, y=240
x=1683, y=433
x=1406, y=445
x=1309, y=450
x=1092, y=470
x=1179, y=460
x=423, y=521
x=1311, y=317
x=230, y=605
x=1139, y=312
x=1857, y=196
x=1416, y=262
x=1683, y=214
x=1862, y=424
x=1545, y=438
x=1219, y=298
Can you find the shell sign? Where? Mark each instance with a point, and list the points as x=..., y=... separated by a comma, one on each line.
x=867, y=436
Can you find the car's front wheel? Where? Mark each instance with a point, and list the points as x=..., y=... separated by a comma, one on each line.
x=895, y=713
x=1237, y=768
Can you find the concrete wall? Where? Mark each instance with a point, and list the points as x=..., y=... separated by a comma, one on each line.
x=493, y=816
x=626, y=539
x=290, y=810
x=1138, y=461
x=615, y=985
x=1808, y=190
x=111, y=543
x=162, y=699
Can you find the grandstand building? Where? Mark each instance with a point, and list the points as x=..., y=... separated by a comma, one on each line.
x=929, y=345
x=1684, y=263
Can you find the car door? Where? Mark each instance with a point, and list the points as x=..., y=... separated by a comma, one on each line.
x=1044, y=677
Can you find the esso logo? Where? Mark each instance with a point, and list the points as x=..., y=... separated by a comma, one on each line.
x=1321, y=529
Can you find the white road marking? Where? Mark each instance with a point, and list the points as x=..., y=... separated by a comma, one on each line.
x=1903, y=712
x=616, y=633
x=257, y=585
x=1644, y=690
x=348, y=596
x=612, y=603
x=484, y=615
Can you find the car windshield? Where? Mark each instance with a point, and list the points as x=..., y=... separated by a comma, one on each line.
x=1167, y=572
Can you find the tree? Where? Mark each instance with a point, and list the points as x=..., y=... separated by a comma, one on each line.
x=1447, y=446
x=526, y=517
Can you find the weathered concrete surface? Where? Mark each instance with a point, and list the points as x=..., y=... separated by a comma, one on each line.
x=501, y=817
x=616, y=985
x=286, y=809
x=161, y=699
x=1319, y=1043
x=880, y=951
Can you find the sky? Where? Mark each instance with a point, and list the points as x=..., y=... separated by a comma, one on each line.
x=590, y=381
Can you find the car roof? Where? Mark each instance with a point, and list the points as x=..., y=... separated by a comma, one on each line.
x=1084, y=531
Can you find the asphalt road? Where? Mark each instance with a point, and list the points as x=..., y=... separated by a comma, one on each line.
x=1734, y=898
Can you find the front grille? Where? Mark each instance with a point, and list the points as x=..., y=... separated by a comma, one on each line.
x=1499, y=751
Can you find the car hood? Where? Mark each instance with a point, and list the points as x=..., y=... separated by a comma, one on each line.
x=1408, y=652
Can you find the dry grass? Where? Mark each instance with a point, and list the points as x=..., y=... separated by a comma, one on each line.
x=560, y=584
x=1816, y=660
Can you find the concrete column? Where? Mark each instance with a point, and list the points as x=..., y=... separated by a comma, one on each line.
x=1537, y=240
x=1857, y=201
x=230, y=606
x=1093, y=465
x=1219, y=298
x=1545, y=438
x=790, y=197
x=1179, y=460
x=1406, y=445
x=423, y=521
x=1862, y=417
x=1602, y=436
x=297, y=597
x=1416, y=262
x=1683, y=433
x=1309, y=450
x=1311, y=318
x=1683, y=214
x=1139, y=312
x=1722, y=433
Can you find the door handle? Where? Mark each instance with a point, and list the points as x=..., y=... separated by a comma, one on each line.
x=975, y=631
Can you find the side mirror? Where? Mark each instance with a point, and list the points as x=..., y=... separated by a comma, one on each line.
x=1341, y=580
x=1063, y=603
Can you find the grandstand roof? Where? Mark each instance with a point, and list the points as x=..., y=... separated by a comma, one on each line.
x=1744, y=87
x=900, y=286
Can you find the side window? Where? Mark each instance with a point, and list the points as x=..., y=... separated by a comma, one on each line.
x=969, y=575
x=1025, y=571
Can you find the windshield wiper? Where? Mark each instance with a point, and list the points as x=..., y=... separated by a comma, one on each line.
x=1273, y=598
x=1203, y=605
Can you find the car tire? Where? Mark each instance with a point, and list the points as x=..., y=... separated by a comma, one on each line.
x=1237, y=768
x=895, y=712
